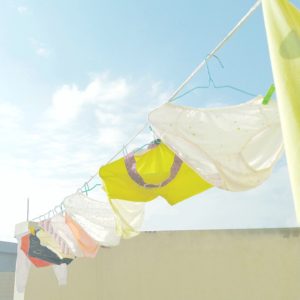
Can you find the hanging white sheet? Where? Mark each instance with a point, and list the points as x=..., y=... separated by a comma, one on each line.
x=233, y=148
x=95, y=217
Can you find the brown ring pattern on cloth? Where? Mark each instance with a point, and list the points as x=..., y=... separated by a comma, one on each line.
x=137, y=178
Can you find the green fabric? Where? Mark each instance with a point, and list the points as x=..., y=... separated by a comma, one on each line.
x=282, y=21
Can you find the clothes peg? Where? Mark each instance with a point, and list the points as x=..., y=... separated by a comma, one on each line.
x=269, y=94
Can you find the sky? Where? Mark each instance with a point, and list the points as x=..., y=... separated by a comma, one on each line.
x=78, y=78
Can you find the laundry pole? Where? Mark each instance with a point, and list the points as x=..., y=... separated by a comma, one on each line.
x=215, y=50
x=27, y=216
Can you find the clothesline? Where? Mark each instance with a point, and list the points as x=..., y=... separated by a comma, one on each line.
x=172, y=97
x=189, y=78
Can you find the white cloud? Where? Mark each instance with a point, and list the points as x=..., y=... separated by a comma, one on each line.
x=43, y=52
x=108, y=118
x=68, y=101
x=10, y=114
x=109, y=137
x=40, y=48
x=22, y=9
x=51, y=156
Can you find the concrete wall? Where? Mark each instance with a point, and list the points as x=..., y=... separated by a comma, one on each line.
x=7, y=285
x=7, y=268
x=186, y=265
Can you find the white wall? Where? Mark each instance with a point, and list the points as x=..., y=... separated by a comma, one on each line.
x=184, y=265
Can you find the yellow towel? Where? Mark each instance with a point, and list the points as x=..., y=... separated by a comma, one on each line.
x=282, y=21
x=154, y=166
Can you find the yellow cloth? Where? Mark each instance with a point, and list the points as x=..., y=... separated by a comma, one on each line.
x=153, y=165
x=129, y=217
x=282, y=21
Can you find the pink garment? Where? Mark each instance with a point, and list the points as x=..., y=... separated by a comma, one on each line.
x=88, y=246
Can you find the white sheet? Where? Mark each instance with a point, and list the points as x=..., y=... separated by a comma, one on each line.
x=233, y=148
x=95, y=217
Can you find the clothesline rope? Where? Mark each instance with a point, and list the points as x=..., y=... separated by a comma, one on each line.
x=174, y=94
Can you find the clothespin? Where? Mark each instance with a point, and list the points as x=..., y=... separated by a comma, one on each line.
x=269, y=94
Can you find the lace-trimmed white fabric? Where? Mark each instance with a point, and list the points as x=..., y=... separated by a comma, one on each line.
x=95, y=217
x=57, y=227
x=233, y=148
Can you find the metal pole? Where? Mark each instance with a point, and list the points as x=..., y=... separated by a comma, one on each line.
x=27, y=209
x=217, y=48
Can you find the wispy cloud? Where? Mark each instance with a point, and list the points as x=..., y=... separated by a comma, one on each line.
x=82, y=127
x=10, y=115
x=43, y=52
x=107, y=109
x=40, y=48
x=22, y=9
x=69, y=101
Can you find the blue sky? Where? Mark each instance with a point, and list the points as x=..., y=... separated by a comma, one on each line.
x=77, y=79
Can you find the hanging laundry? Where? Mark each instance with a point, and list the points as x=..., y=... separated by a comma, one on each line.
x=24, y=262
x=48, y=241
x=282, y=22
x=144, y=176
x=129, y=217
x=94, y=217
x=23, y=265
x=61, y=232
x=88, y=246
x=61, y=273
x=233, y=148
x=25, y=246
x=31, y=245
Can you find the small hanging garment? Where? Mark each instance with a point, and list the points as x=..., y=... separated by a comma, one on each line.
x=48, y=241
x=94, y=217
x=129, y=217
x=36, y=250
x=25, y=247
x=61, y=273
x=62, y=234
x=282, y=22
x=233, y=148
x=88, y=246
x=142, y=177
x=24, y=263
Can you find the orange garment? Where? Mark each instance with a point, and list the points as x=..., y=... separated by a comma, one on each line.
x=88, y=246
x=25, y=243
